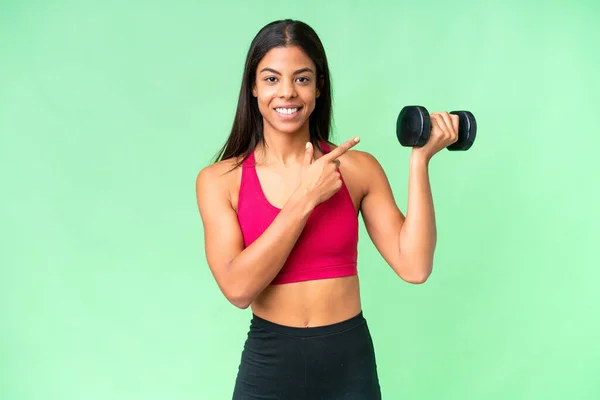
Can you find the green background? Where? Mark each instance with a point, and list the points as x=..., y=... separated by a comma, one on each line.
x=109, y=109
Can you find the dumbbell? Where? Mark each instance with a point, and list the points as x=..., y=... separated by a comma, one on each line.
x=414, y=126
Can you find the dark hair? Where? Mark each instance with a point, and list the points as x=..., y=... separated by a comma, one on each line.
x=247, y=130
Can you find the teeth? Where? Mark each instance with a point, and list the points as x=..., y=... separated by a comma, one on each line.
x=286, y=110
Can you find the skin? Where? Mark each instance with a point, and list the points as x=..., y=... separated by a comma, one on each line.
x=295, y=178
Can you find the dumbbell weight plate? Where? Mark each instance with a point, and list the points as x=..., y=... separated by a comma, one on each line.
x=413, y=126
x=466, y=132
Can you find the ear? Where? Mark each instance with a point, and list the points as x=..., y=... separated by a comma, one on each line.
x=320, y=84
x=254, y=92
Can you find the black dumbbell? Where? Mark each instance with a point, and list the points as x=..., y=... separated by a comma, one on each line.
x=414, y=126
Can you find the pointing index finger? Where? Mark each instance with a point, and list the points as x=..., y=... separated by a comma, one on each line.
x=341, y=149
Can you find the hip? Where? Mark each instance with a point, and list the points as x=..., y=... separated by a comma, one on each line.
x=323, y=362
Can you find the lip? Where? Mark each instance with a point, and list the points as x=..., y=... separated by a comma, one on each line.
x=288, y=106
x=288, y=116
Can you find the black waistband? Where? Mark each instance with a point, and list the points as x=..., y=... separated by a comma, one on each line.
x=309, y=331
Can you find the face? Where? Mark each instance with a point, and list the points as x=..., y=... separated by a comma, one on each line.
x=286, y=89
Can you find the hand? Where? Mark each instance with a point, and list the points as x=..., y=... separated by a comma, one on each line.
x=321, y=179
x=444, y=132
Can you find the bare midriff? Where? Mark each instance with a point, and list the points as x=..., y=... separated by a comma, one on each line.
x=310, y=303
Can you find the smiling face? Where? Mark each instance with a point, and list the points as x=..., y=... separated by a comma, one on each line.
x=286, y=89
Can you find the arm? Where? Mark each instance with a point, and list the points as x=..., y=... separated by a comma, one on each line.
x=406, y=243
x=242, y=274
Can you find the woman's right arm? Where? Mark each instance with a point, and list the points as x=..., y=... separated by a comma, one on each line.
x=242, y=273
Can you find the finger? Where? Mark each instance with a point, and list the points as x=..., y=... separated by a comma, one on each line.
x=445, y=125
x=437, y=124
x=308, y=154
x=450, y=126
x=445, y=117
x=455, y=122
x=341, y=149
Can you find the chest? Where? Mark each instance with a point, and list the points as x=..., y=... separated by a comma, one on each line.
x=278, y=186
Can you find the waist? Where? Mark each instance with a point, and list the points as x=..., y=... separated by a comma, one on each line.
x=353, y=321
x=310, y=303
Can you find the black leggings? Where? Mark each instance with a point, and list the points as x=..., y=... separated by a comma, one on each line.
x=325, y=362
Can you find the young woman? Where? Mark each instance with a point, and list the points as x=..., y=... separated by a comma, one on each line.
x=280, y=213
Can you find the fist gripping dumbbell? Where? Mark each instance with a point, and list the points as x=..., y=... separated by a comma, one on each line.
x=414, y=126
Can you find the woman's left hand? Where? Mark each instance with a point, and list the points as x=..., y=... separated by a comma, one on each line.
x=444, y=132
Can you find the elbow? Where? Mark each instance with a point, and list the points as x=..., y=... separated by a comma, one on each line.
x=240, y=303
x=238, y=298
x=235, y=290
x=415, y=273
x=415, y=279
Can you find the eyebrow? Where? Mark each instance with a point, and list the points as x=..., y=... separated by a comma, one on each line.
x=301, y=70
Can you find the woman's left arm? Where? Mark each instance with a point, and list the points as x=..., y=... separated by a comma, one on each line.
x=407, y=243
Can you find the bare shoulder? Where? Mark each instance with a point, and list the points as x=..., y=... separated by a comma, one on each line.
x=218, y=179
x=355, y=156
x=362, y=161
x=218, y=171
x=360, y=166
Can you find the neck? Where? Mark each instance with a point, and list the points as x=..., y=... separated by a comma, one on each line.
x=284, y=148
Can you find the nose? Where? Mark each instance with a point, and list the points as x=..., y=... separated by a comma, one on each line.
x=287, y=89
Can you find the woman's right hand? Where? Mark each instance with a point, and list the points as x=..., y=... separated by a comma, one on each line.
x=319, y=180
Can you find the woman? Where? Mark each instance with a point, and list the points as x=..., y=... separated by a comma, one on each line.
x=280, y=213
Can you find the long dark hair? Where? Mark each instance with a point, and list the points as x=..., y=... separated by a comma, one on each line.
x=247, y=130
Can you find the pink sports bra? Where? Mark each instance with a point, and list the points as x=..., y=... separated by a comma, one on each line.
x=327, y=246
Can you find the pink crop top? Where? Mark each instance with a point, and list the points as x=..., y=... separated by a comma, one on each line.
x=327, y=246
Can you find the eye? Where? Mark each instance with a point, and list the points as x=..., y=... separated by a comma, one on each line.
x=270, y=79
x=303, y=79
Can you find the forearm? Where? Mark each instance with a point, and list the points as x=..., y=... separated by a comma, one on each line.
x=258, y=264
x=418, y=234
